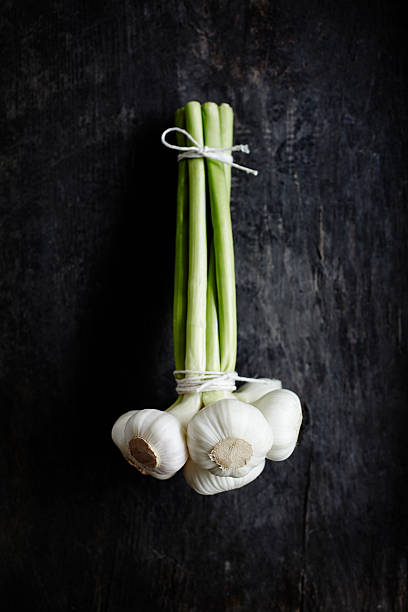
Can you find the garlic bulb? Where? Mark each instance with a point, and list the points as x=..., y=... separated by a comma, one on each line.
x=206, y=483
x=229, y=438
x=283, y=411
x=152, y=441
x=251, y=391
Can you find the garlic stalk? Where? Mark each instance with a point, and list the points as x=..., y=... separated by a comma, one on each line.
x=207, y=483
x=283, y=411
x=181, y=254
x=229, y=438
x=221, y=302
x=186, y=408
x=222, y=230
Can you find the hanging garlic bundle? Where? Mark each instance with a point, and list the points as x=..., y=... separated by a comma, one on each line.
x=222, y=436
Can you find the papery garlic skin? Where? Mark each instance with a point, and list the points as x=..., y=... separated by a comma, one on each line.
x=118, y=428
x=283, y=411
x=207, y=483
x=229, y=438
x=152, y=441
x=251, y=391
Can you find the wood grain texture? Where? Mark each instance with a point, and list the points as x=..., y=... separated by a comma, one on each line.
x=319, y=94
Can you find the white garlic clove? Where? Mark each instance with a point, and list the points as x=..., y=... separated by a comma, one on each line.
x=152, y=441
x=251, y=391
x=207, y=483
x=283, y=411
x=229, y=438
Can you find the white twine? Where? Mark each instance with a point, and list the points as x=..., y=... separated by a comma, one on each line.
x=215, y=153
x=199, y=381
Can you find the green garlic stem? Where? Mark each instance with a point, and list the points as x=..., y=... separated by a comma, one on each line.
x=212, y=341
x=197, y=274
x=213, y=344
x=227, y=136
x=223, y=240
x=181, y=255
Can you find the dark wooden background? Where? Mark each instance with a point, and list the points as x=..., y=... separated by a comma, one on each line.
x=87, y=230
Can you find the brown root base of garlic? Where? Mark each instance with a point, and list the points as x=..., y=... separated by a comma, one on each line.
x=231, y=453
x=142, y=453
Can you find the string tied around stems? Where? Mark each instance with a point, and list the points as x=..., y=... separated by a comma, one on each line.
x=199, y=381
x=221, y=154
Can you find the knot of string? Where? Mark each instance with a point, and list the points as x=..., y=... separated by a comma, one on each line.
x=198, y=381
x=221, y=154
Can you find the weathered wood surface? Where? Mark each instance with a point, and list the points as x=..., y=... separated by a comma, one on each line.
x=319, y=94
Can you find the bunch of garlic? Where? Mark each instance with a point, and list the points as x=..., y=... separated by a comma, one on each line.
x=222, y=446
